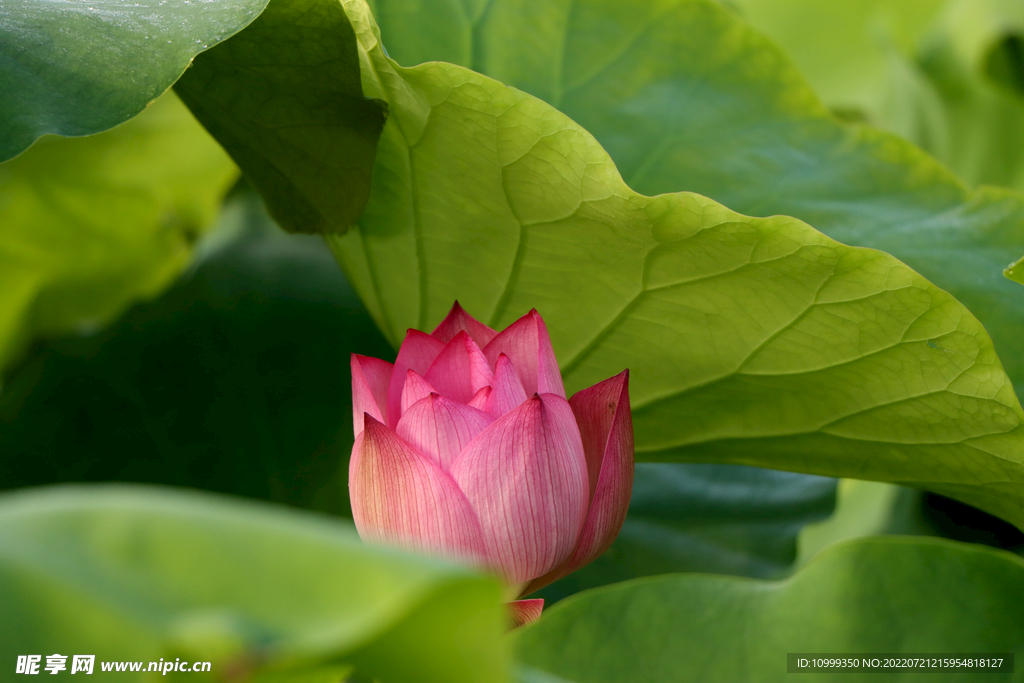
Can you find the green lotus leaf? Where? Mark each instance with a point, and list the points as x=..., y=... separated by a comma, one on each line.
x=78, y=68
x=131, y=573
x=889, y=594
x=684, y=96
x=91, y=225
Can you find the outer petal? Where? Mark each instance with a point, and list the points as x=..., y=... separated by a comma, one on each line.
x=526, y=478
x=370, y=380
x=523, y=612
x=415, y=389
x=507, y=391
x=401, y=498
x=440, y=428
x=417, y=352
x=460, y=370
x=606, y=426
x=528, y=346
x=460, y=321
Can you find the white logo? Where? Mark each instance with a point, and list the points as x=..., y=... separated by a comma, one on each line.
x=55, y=663
x=28, y=664
x=82, y=663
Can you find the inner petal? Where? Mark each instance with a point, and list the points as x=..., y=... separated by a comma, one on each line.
x=440, y=428
x=460, y=370
x=507, y=391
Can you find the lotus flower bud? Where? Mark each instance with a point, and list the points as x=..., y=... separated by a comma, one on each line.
x=467, y=447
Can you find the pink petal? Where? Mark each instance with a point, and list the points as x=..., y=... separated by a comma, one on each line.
x=440, y=428
x=528, y=346
x=370, y=379
x=507, y=391
x=523, y=612
x=606, y=427
x=526, y=478
x=460, y=370
x=416, y=389
x=479, y=400
x=460, y=321
x=417, y=352
x=401, y=498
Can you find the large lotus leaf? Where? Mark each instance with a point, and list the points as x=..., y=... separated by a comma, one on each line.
x=81, y=67
x=284, y=98
x=91, y=225
x=233, y=380
x=142, y=573
x=875, y=595
x=684, y=96
x=751, y=341
x=724, y=519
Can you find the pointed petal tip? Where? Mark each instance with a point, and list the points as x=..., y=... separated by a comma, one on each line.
x=479, y=400
x=458, y=319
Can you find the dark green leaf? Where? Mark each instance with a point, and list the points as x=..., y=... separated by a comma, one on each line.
x=284, y=98
x=78, y=68
x=878, y=595
x=141, y=573
x=235, y=380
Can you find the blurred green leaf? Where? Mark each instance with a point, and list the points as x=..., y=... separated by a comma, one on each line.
x=684, y=96
x=92, y=225
x=725, y=519
x=946, y=74
x=843, y=47
x=284, y=98
x=137, y=573
x=877, y=595
x=863, y=508
x=78, y=68
x=750, y=341
x=235, y=380
x=1016, y=271
x=871, y=508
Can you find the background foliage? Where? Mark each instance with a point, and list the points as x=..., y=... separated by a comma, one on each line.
x=143, y=339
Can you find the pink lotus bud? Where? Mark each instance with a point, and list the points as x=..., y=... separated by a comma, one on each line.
x=467, y=447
